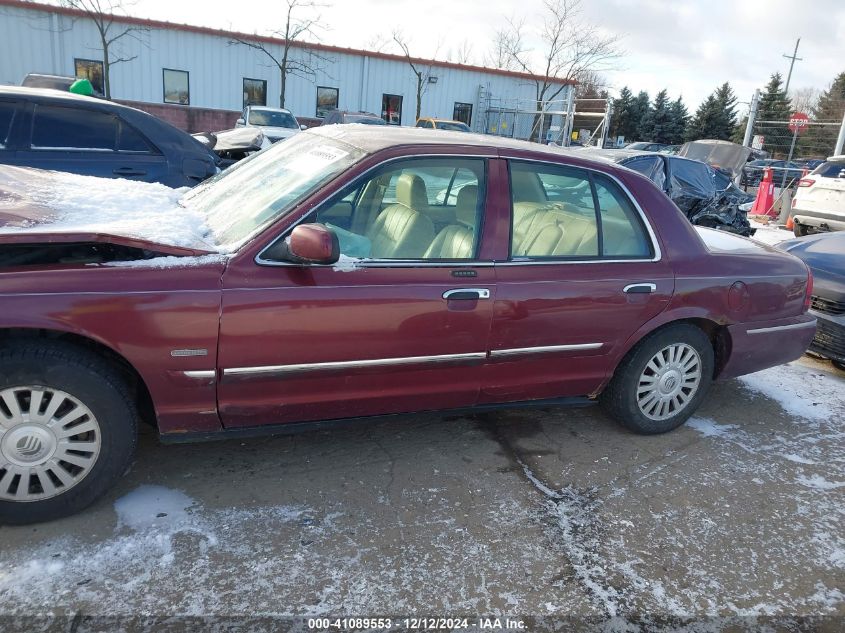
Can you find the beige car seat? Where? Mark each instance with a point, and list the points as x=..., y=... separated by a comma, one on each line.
x=400, y=230
x=457, y=241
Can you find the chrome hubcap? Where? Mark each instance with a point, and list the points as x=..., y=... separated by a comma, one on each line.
x=669, y=381
x=49, y=441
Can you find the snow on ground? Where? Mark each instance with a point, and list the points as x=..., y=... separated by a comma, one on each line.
x=769, y=233
x=738, y=514
x=104, y=205
x=801, y=391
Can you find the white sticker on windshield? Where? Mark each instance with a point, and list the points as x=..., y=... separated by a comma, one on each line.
x=316, y=159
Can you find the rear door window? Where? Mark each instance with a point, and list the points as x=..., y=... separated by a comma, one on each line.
x=7, y=115
x=57, y=127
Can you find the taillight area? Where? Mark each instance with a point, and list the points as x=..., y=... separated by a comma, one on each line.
x=808, y=298
x=806, y=182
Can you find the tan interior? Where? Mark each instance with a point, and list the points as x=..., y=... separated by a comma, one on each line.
x=457, y=241
x=400, y=231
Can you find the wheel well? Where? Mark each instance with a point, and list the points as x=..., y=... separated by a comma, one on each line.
x=138, y=388
x=719, y=338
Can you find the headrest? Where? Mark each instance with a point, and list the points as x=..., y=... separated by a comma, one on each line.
x=466, y=205
x=410, y=191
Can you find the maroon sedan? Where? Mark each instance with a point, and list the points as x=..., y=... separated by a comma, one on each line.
x=353, y=272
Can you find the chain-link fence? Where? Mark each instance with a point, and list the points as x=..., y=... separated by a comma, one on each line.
x=790, y=153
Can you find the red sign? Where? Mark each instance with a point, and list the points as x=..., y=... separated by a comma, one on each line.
x=798, y=122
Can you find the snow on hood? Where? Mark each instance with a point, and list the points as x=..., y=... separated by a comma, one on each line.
x=39, y=202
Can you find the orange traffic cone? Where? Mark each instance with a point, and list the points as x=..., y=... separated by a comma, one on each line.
x=790, y=223
x=765, y=201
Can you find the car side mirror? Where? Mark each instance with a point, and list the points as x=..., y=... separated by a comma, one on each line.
x=313, y=244
x=302, y=126
x=240, y=123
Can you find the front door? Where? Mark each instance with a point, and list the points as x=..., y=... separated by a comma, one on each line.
x=583, y=274
x=399, y=324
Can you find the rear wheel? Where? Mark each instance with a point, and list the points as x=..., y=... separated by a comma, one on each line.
x=799, y=230
x=68, y=429
x=662, y=381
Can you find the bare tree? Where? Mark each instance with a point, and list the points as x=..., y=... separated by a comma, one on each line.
x=421, y=70
x=463, y=54
x=500, y=54
x=103, y=14
x=571, y=48
x=805, y=99
x=377, y=43
x=297, y=29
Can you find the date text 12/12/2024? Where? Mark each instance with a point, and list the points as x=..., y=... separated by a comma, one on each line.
x=415, y=623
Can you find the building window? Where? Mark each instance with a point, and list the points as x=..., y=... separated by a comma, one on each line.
x=462, y=112
x=255, y=92
x=92, y=70
x=327, y=99
x=391, y=109
x=176, y=86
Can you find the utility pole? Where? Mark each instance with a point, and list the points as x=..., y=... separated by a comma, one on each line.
x=794, y=59
x=752, y=117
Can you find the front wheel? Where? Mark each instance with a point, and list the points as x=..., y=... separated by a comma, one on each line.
x=799, y=230
x=68, y=429
x=661, y=382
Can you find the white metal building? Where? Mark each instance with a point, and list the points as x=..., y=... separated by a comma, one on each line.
x=200, y=67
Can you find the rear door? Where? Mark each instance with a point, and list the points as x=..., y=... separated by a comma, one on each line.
x=584, y=272
x=89, y=142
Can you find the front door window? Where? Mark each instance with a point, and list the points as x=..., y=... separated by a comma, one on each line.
x=410, y=209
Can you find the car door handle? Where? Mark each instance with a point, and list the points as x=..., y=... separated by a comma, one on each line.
x=129, y=171
x=465, y=294
x=643, y=288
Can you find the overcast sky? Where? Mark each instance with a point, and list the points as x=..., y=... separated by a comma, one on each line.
x=686, y=46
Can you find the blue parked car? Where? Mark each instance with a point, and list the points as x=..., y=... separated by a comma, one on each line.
x=51, y=129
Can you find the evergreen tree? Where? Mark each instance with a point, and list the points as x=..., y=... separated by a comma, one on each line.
x=726, y=112
x=738, y=134
x=623, y=115
x=774, y=106
x=704, y=124
x=821, y=140
x=639, y=111
x=657, y=125
x=680, y=118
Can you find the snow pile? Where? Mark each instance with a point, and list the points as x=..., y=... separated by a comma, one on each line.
x=85, y=204
x=800, y=391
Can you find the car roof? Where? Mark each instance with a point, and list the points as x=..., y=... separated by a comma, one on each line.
x=371, y=140
x=261, y=107
x=48, y=93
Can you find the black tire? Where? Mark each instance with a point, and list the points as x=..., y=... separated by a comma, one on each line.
x=95, y=384
x=799, y=230
x=619, y=399
x=838, y=364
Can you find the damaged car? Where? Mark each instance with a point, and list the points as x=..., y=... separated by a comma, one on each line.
x=706, y=196
x=235, y=144
x=292, y=289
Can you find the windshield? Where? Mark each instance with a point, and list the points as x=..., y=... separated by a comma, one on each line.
x=272, y=118
x=363, y=118
x=449, y=125
x=263, y=187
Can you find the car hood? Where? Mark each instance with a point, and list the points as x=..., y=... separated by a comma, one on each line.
x=277, y=132
x=39, y=206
